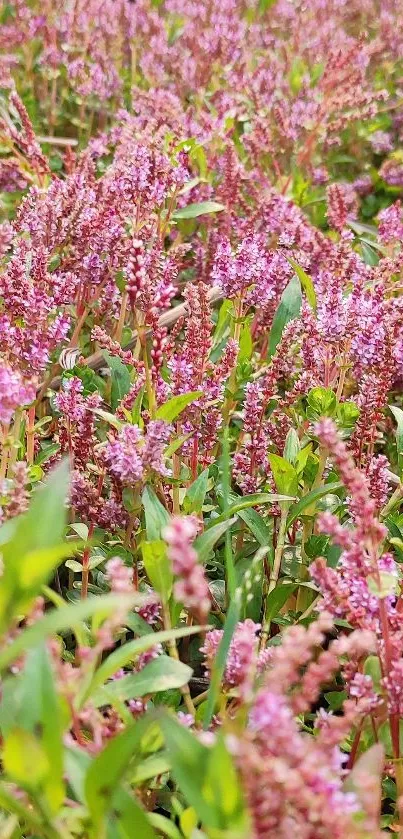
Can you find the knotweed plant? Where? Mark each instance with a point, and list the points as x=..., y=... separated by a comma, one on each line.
x=201, y=419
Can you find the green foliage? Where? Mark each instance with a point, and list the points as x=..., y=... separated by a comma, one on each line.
x=171, y=409
x=196, y=210
x=288, y=309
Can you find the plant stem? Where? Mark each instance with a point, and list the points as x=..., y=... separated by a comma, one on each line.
x=86, y=563
x=149, y=384
x=275, y=572
x=236, y=332
x=5, y=449
x=173, y=652
x=122, y=315
x=226, y=485
x=394, y=499
x=31, y=435
x=14, y=446
x=278, y=554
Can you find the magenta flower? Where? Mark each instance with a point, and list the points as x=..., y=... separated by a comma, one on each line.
x=191, y=588
x=14, y=392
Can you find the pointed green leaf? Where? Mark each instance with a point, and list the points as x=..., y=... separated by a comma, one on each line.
x=196, y=493
x=398, y=415
x=309, y=500
x=157, y=517
x=120, y=378
x=288, y=309
x=284, y=474
x=171, y=409
x=163, y=673
x=206, y=541
x=306, y=282
x=158, y=567
x=196, y=210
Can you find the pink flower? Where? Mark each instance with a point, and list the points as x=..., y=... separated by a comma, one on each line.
x=131, y=455
x=14, y=392
x=242, y=656
x=191, y=588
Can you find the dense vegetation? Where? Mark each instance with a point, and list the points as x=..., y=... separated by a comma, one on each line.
x=201, y=420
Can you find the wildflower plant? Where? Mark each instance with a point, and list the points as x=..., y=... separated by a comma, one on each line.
x=201, y=422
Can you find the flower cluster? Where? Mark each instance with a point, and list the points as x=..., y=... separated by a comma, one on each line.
x=191, y=588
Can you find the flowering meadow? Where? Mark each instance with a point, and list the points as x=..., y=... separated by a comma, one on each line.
x=201, y=419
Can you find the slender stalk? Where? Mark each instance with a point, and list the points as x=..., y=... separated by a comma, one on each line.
x=275, y=572
x=173, y=652
x=31, y=435
x=149, y=383
x=86, y=564
x=236, y=332
x=14, y=446
x=5, y=449
x=354, y=748
x=226, y=485
x=393, y=500
x=122, y=315
x=278, y=554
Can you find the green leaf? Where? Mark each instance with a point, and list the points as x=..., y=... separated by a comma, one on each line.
x=130, y=818
x=176, y=444
x=284, y=474
x=306, y=282
x=32, y=545
x=165, y=826
x=206, y=541
x=158, y=567
x=369, y=255
x=347, y=414
x=151, y=767
x=292, y=446
x=288, y=309
x=122, y=655
x=384, y=587
x=220, y=660
x=120, y=378
x=171, y=409
x=222, y=786
x=196, y=210
x=309, y=500
x=372, y=667
x=111, y=419
x=250, y=579
x=136, y=409
x=77, y=763
x=46, y=453
x=245, y=343
x=31, y=529
x=359, y=227
x=196, y=493
x=322, y=402
x=106, y=771
x=24, y=759
x=222, y=321
x=257, y=526
x=37, y=566
x=189, y=758
x=398, y=415
x=157, y=517
x=277, y=598
x=40, y=712
x=253, y=500
x=335, y=699
x=163, y=673
x=59, y=620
